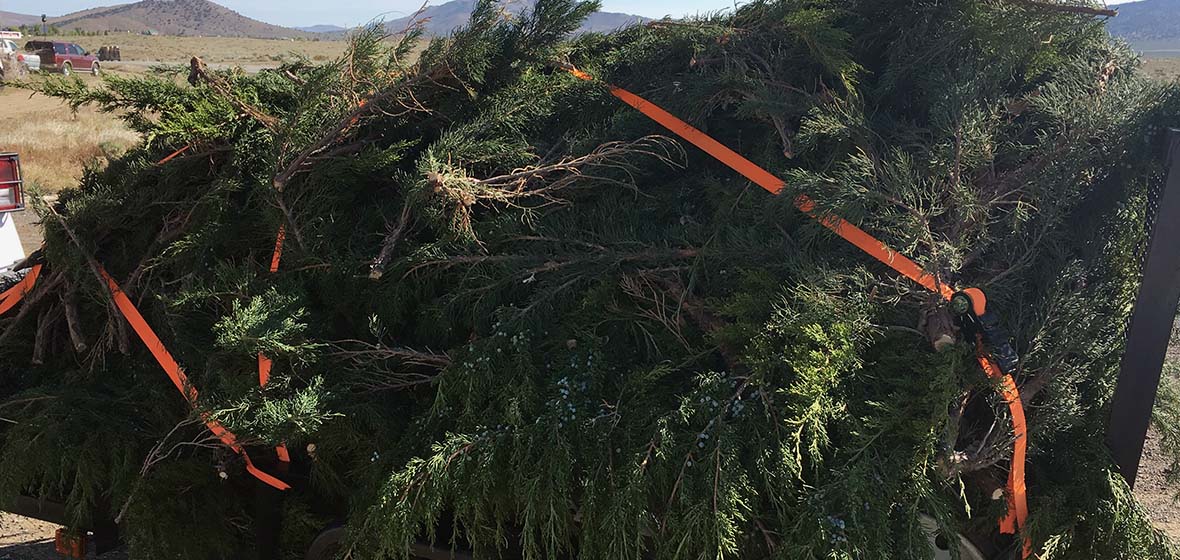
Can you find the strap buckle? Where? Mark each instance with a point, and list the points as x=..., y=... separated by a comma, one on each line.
x=984, y=326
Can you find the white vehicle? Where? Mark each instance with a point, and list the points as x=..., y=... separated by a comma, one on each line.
x=14, y=61
x=11, y=200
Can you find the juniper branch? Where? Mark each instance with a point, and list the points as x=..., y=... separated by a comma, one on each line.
x=199, y=73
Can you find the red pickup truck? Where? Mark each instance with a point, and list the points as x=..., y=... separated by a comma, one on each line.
x=64, y=57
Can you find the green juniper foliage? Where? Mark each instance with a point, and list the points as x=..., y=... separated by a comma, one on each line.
x=514, y=316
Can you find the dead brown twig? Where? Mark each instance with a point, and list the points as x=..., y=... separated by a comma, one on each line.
x=611, y=155
x=43, y=287
x=390, y=243
x=114, y=318
x=386, y=368
x=73, y=321
x=542, y=185
x=303, y=160
x=199, y=73
x=174, y=226
x=655, y=304
x=550, y=265
x=44, y=327
x=332, y=135
x=157, y=454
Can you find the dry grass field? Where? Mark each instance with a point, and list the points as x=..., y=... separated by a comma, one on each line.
x=1164, y=68
x=225, y=50
x=55, y=144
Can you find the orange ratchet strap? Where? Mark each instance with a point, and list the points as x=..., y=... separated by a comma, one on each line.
x=178, y=377
x=174, y=155
x=1018, y=510
x=265, y=364
x=775, y=185
x=1017, y=491
x=15, y=294
x=357, y=118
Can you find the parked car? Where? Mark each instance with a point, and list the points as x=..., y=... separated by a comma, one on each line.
x=30, y=61
x=15, y=62
x=67, y=58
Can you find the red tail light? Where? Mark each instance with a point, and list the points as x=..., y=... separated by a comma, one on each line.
x=70, y=543
x=12, y=186
x=20, y=58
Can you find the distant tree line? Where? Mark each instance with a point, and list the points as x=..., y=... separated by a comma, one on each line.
x=53, y=31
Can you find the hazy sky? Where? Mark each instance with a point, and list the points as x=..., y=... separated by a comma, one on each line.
x=352, y=12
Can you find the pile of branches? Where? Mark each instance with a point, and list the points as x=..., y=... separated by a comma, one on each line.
x=514, y=315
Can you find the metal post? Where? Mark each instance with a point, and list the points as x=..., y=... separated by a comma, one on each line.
x=268, y=509
x=1150, y=329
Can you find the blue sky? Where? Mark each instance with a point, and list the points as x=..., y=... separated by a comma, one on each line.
x=352, y=12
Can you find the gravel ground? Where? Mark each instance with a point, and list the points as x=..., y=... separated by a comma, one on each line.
x=25, y=539
x=1151, y=488
x=1152, y=491
x=22, y=538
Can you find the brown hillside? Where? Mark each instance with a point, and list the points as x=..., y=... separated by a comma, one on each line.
x=173, y=17
x=9, y=19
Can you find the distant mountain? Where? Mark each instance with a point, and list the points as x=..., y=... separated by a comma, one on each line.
x=173, y=17
x=323, y=29
x=1148, y=25
x=445, y=18
x=9, y=19
x=604, y=22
